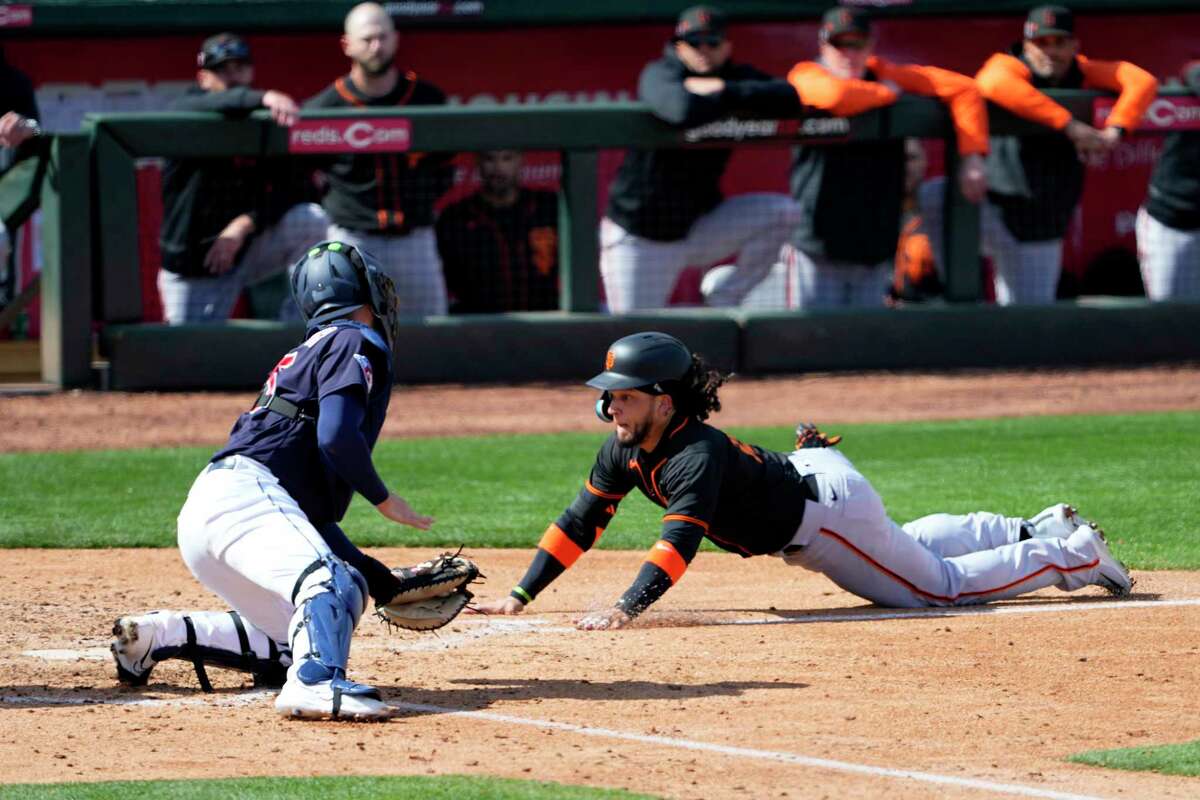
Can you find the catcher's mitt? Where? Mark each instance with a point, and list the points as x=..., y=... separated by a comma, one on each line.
x=425, y=615
x=431, y=593
x=808, y=435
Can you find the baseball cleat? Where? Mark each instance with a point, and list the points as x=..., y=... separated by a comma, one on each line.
x=1113, y=576
x=348, y=701
x=132, y=643
x=1057, y=522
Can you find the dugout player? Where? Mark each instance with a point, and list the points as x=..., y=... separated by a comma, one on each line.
x=1035, y=181
x=230, y=223
x=259, y=527
x=1168, y=223
x=383, y=202
x=810, y=507
x=852, y=193
x=665, y=207
x=499, y=246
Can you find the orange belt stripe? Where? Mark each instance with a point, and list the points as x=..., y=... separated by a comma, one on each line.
x=664, y=556
x=684, y=518
x=606, y=495
x=559, y=545
x=912, y=588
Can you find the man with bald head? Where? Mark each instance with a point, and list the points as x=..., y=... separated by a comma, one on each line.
x=383, y=202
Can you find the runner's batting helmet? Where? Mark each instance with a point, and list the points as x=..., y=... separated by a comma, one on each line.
x=333, y=278
x=650, y=362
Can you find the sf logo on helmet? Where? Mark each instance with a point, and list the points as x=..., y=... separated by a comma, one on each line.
x=610, y=359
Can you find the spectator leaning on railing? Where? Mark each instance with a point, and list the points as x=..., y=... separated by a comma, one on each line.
x=1168, y=223
x=1035, y=182
x=230, y=223
x=18, y=126
x=499, y=246
x=383, y=203
x=665, y=208
x=851, y=194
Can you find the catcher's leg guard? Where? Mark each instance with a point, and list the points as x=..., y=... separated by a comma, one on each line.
x=215, y=638
x=330, y=598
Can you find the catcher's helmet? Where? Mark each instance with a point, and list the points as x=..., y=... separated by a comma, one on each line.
x=333, y=278
x=650, y=362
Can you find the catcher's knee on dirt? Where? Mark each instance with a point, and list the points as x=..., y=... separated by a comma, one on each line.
x=221, y=639
x=330, y=598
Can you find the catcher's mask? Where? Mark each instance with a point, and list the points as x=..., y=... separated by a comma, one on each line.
x=649, y=362
x=334, y=278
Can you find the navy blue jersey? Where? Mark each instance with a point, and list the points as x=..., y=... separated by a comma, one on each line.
x=337, y=357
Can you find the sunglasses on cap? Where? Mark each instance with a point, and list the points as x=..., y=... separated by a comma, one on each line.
x=850, y=42
x=703, y=40
x=218, y=53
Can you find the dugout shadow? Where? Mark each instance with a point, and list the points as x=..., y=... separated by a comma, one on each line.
x=480, y=693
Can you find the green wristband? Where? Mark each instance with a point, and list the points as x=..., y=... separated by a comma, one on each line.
x=522, y=595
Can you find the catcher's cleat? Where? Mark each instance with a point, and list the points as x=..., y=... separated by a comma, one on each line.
x=132, y=644
x=1057, y=522
x=1113, y=576
x=335, y=699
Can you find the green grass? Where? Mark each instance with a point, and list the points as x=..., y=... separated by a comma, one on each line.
x=1168, y=759
x=1138, y=475
x=448, y=787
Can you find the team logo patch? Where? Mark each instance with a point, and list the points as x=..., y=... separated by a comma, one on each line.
x=609, y=360
x=368, y=374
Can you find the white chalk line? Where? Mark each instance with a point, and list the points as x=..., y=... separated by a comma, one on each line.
x=253, y=697
x=965, y=611
x=493, y=626
x=751, y=753
x=216, y=700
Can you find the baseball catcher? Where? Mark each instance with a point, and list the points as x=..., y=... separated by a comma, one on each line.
x=430, y=594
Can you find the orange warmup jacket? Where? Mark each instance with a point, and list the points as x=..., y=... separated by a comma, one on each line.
x=848, y=96
x=1007, y=82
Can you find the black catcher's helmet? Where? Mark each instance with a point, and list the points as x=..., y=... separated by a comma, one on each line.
x=651, y=362
x=333, y=278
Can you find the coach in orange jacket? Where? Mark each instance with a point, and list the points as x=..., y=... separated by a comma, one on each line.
x=1035, y=182
x=851, y=194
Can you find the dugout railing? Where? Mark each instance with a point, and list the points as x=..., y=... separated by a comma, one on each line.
x=559, y=345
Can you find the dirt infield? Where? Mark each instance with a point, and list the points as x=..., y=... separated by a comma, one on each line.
x=750, y=679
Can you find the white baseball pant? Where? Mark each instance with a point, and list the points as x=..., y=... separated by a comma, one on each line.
x=1025, y=272
x=828, y=283
x=640, y=273
x=938, y=560
x=270, y=252
x=1169, y=259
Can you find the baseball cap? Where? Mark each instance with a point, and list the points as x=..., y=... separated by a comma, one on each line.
x=700, y=21
x=220, y=48
x=1049, y=21
x=843, y=21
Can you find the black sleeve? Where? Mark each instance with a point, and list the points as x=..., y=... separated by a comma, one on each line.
x=751, y=91
x=579, y=527
x=242, y=100
x=663, y=91
x=382, y=585
x=342, y=444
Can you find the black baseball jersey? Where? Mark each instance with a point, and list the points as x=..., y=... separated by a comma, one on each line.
x=1173, y=196
x=389, y=193
x=1037, y=181
x=501, y=259
x=201, y=195
x=344, y=354
x=659, y=194
x=743, y=498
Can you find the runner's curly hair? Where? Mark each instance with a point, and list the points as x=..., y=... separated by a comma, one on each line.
x=695, y=394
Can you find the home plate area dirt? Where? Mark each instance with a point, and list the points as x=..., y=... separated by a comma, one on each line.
x=749, y=679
